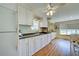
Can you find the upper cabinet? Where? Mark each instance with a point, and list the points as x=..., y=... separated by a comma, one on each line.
x=44, y=22
x=24, y=16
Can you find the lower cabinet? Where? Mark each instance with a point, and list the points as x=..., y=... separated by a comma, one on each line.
x=41, y=41
x=37, y=43
x=29, y=46
x=23, y=47
x=48, y=37
x=46, y=40
x=32, y=46
x=42, y=38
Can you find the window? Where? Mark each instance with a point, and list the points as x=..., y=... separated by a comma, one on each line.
x=69, y=31
x=77, y=31
x=35, y=25
x=62, y=31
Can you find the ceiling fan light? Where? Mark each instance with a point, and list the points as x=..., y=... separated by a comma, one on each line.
x=47, y=14
x=51, y=13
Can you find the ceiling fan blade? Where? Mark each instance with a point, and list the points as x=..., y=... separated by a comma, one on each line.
x=55, y=7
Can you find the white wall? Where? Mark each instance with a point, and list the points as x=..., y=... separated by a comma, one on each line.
x=8, y=34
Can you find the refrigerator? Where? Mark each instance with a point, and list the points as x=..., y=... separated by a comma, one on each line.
x=8, y=32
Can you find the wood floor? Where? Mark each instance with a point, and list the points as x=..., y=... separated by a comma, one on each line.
x=58, y=47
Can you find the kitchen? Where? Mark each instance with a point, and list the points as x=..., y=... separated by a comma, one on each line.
x=26, y=29
x=37, y=35
x=19, y=35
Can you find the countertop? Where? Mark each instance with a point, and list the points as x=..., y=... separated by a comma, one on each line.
x=32, y=35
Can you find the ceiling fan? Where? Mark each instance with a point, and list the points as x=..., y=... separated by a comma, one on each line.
x=52, y=7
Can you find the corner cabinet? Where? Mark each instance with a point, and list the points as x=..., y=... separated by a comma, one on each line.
x=24, y=16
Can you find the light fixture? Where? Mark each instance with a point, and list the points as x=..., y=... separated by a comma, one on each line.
x=50, y=9
x=50, y=13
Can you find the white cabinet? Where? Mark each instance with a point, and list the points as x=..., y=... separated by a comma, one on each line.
x=46, y=40
x=44, y=23
x=49, y=38
x=24, y=16
x=27, y=46
x=22, y=47
x=31, y=46
x=43, y=40
x=37, y=43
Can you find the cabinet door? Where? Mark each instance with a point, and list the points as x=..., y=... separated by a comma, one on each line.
x=29, y=17
x=49, y=38
x=24, y=16
x=31, y=46
x=22, y=47
x=46, y=40
x=43, y=40
x=37, y=43
x=40, y=42
x=44, y=22
x=21, y=15
x=27, y=46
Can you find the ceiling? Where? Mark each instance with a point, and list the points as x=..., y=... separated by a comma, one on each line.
x=67, y=12
x=70, y=11
x=11, y=6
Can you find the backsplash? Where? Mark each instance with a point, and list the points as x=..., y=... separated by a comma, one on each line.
x=26, y=29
